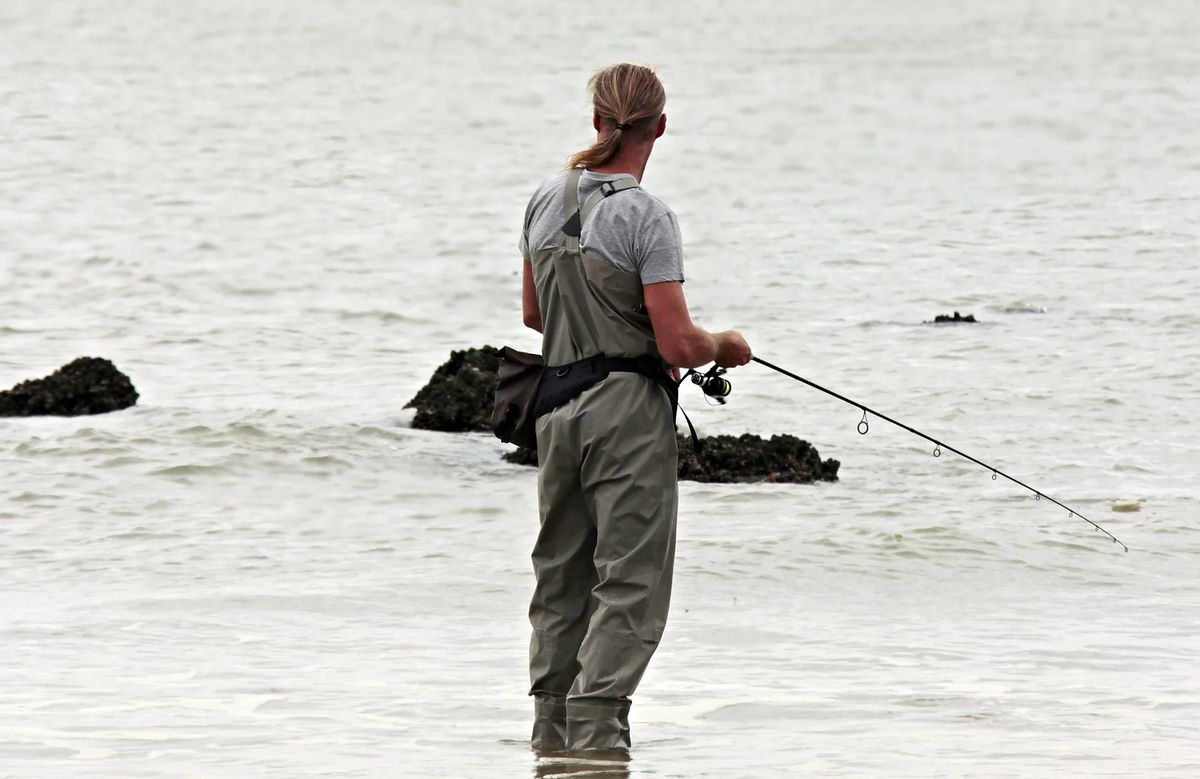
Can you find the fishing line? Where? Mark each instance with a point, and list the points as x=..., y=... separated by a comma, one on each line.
x=938, y=446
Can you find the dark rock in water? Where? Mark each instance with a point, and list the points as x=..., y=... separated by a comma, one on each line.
x=748, y=457
x=956, y=318
x=460, y=394
x=88, y=385
x=744, y=458
x=521, y=456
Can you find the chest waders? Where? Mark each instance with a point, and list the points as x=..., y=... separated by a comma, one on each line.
x=607, y=493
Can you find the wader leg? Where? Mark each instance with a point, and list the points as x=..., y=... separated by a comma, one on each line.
x=630, y=478
x=597, y=723
x=549, y=720
x=562, y=602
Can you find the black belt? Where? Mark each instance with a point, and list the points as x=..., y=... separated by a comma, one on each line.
x=563, y=383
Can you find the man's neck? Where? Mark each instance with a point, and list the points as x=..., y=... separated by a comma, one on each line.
x=631, y=160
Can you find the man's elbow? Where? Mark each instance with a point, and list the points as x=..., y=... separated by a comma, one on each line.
x=685, y=352
x=673, y=355
x=533, y=321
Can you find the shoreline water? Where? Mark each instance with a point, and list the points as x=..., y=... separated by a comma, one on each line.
x=278, y=219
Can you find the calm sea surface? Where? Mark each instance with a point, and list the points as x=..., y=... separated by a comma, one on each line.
x=279, y=217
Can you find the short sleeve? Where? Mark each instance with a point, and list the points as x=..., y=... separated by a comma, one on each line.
x=523, y=244
x=660, y=250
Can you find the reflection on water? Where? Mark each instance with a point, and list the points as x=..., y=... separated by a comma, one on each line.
x=581, y=764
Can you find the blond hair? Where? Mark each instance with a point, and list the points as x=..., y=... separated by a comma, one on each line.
x=629, y=99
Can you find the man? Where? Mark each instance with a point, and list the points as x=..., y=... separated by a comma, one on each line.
x=603, y=283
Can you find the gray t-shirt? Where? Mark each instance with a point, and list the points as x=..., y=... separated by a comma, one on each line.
x=632, y=229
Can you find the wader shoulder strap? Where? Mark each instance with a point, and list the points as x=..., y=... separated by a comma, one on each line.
x=577, y=216
x=571, y=193
x=572, y=225
x=606, y=189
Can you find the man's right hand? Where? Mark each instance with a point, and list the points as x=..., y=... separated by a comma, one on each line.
x=732, y=349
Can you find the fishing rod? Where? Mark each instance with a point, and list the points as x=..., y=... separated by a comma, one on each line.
x=715, y=385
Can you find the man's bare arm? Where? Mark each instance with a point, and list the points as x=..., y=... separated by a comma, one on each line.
x=681, y=342
x=529, y=305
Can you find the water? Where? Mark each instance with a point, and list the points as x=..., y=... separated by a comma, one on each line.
x=278, y=218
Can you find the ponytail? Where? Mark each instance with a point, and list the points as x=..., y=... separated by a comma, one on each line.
x=629, y=99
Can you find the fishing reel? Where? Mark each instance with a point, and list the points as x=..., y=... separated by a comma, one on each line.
x=713, y=383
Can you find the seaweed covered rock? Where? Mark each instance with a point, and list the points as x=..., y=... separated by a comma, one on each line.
x=943, y=318
x=744, y=458
x=748, y=457
x=87, y=385
x=460, y=394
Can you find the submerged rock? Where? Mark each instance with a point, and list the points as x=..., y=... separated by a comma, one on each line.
x=521, y=456
x=87, y=385
x=956, y=318
x=1024, y=308
x=744, y=458
x=460, y=394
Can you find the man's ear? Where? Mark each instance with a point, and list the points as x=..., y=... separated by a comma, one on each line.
x=662, y=126
x=596, y=120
